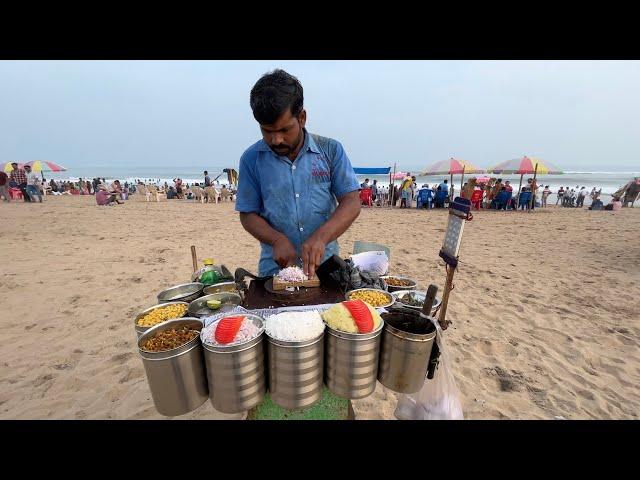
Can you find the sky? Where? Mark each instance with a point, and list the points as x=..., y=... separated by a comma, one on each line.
x=166, y=116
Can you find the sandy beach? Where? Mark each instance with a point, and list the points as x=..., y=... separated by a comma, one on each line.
x=545, y=310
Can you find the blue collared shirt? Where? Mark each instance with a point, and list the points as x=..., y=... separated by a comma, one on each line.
x=295, y=198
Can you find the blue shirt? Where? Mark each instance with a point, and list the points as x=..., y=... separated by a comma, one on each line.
x=295, y=198
x=445, y=187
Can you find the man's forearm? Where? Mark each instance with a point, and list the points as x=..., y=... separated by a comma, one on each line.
x=345, y=214
x=259, y=228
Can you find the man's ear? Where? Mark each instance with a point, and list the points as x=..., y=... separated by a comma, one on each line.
x=302, y=118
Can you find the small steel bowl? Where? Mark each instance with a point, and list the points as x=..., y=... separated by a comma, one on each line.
x=187, y=292
x=418, y=295
x=140, y=330
x=392, y=288
x=387, y=294
x=221, y=287
x=230, y=300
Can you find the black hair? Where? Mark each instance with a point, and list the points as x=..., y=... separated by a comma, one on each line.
x=445, y=181
x=273, y=94
x=206, y=173
x=499, y=179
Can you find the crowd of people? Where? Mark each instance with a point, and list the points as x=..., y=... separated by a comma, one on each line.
x=406, y=194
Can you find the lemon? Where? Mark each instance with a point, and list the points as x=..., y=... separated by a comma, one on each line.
x=214, y=304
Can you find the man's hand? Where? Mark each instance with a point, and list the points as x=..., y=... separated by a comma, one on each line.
x=284, y=252
x=312, y=254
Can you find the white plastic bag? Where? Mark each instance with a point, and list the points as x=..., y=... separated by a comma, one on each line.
x=439, y=398
x=373, y=262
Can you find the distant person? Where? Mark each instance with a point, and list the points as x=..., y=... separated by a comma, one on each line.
x=374, y=191
x=405, y=191
x=103, y=197
x=560, y=195
x=581, y=194
x=545, y=194
x=614, y=205
x=414, y=187
x=18, y=179
x=365, y=184
x=507, y=186
x=4, y=186
x=33, y=184
x=207, y=179
x=444, y=186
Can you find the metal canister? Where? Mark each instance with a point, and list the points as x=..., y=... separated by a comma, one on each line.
x=236, y=373
x=352, y=362
x=141, y=330
x=295, y=372
x=404, y=356
x=177, y=377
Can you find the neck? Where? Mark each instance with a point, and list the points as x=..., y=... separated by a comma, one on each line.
x=292, y=156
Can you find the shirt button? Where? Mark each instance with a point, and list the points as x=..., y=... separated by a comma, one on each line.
x=297, y=195
x=293, y=167
x=301, y=229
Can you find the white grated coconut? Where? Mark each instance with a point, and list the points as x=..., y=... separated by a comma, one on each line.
x=295, y=326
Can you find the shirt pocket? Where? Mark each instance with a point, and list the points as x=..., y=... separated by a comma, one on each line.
x=321, y=198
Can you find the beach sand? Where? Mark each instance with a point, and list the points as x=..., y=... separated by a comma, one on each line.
x=545, y=312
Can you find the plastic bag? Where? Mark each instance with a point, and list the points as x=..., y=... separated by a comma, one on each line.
x=439, y=397
x=373, y=262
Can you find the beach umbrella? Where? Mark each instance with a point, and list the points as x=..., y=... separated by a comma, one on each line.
x=453, y=166
x=399, y=176
x=44, y=166
x=524, y=166
x=7, y=168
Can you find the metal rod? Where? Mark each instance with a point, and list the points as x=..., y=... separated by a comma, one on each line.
x=519, y=189
x=462, y=179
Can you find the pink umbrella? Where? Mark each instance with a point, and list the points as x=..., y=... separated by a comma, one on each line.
x=399, y=175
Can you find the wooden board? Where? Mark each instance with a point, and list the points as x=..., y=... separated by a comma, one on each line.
x=281, y=285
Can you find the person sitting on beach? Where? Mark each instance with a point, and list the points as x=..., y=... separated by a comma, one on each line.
x=103, y=197
x=508, y=187
x=440, y=197
x=614, y=205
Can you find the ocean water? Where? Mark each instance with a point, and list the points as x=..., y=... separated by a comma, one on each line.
x=608, y=181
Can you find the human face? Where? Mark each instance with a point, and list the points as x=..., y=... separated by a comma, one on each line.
x=285, y=136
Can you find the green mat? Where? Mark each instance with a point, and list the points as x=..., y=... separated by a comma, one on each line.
x=330, y=407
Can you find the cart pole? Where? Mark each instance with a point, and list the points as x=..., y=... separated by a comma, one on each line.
x=194, y=258
x=533, y=192
x=448, y=286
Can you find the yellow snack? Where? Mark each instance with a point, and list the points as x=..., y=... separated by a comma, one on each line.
x=161, y=314
x=339, y=318
x=372, y=297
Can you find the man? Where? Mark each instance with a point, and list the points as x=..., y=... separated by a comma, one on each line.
x=207, y=180
x=290, y=181
x=33, y=184
x=374, y=191
x=405, y=191
x=560, y=195
x=4, y=186
x=365, y=184
x=581, y=194
x=18, y=178
x=445, y=186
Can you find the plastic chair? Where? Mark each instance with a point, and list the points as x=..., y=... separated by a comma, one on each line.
x=525, y=198
x=425, y=197
x=360, y=246
x=476, y=199
x=366, y=197
x=15, y=194
x=440, y=198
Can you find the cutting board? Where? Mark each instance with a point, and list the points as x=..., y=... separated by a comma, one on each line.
x=281, y=285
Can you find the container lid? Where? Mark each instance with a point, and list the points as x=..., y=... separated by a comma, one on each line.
x=208, y=261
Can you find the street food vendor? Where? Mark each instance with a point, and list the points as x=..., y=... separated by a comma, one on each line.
x=297, y=191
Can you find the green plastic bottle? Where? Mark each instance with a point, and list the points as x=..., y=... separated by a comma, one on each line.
x=210, y=274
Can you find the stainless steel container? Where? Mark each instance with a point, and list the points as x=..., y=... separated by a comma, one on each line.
x=177, y=377
x=419, y=296
x=295, y=372
x=229, y=300
x=187, y=292
x=140, y=330
x=404, y=356
x=352, y=362
x=392, y=288
x=221, y=287
x=236, y=373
